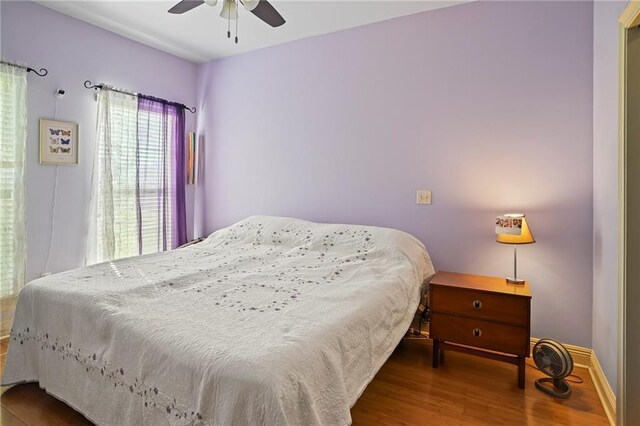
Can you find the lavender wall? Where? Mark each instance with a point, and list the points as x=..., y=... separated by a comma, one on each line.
x=74, y=51
x=494, y=116
x=605, y=186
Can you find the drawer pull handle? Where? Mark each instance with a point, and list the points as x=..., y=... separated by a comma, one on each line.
x=477, y=304
x=477, y=332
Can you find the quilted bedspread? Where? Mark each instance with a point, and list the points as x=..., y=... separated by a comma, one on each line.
x=270, y=321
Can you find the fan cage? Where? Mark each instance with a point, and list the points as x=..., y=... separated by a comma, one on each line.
x=552, y=358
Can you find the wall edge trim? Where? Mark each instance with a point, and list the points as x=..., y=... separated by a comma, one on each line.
x=631, y=15
x=603, y=389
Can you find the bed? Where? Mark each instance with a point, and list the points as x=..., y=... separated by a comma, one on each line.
x=270, y=321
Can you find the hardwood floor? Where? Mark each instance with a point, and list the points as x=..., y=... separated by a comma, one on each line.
x=468, y=390
x=7, y=308
x=465, y=390
x=4, y=346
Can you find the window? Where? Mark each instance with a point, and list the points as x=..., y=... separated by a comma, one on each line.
x=157, y=186
x=134, y=186
x=13, y=118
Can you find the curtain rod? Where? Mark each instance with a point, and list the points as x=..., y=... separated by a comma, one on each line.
x=42, y=73
x=89, y=85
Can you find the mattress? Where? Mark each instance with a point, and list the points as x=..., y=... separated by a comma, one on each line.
x=269, y=321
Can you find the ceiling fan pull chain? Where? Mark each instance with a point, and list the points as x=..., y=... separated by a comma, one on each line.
x=228, y=22
x=237, y=19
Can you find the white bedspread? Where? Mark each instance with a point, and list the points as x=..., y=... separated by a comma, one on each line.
x=271, y=321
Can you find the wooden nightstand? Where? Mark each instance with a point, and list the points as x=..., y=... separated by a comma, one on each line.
x=482, y=316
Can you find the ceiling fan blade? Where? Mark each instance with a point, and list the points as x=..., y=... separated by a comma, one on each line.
x=268, y=14
x=185, y=6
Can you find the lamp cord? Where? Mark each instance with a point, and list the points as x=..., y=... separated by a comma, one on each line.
x=53, y=203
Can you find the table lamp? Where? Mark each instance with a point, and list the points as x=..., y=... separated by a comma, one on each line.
x=513, y=229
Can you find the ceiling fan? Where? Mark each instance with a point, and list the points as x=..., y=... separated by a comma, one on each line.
x=261, y=8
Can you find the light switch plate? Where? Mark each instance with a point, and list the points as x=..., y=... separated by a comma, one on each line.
x=423, y=197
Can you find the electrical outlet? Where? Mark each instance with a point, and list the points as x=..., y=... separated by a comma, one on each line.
x=423, y=197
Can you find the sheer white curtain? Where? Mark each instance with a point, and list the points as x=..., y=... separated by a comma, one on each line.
x=113, y=222
x=156, y=175
x=13, y=133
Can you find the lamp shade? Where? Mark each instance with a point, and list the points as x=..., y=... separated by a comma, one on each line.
x=524, y=237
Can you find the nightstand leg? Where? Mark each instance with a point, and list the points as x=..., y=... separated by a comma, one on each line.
x=436, y=353
x=521, y=369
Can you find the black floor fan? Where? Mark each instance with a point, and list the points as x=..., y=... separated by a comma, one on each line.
x=555, y=361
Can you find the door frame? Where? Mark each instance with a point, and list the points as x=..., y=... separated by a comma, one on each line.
x=629, y=18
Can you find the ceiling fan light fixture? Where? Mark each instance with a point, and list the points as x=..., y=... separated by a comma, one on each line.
x=250, y=4
x=262, y=9
x=229, y=10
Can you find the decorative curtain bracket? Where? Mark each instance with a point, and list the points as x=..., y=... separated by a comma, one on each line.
x=88, y=85
x=41, y=73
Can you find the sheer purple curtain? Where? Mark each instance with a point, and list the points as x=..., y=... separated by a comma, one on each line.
x=179, y=228
x=160, y=175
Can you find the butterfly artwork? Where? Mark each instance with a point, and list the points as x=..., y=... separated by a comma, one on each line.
x=58, y=142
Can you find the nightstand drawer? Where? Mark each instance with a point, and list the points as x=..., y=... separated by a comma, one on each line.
x=505, y=308
x=480, y=334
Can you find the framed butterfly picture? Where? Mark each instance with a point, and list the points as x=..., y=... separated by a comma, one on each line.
x=58, y=142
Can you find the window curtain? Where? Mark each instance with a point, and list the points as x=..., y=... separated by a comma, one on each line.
x=113, y=215
x=160, y=164
x=13, y=133
x=138, y=190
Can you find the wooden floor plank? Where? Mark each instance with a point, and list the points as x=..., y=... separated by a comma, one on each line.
x=7, y=418
x=34, y=407
x=465, y=390
x=4, y=345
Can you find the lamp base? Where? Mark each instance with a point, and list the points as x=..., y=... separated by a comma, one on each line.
x=515, y=281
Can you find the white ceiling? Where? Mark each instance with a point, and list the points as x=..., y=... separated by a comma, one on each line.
x=200, y=34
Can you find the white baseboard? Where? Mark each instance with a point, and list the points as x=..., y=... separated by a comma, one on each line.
x=586, y=358
x=605, y=393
